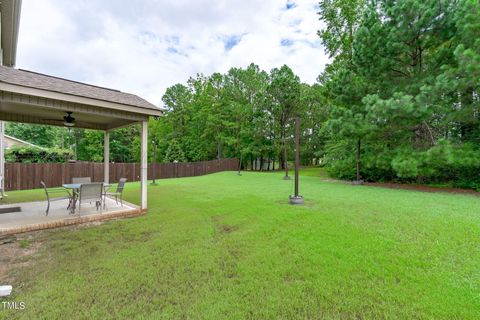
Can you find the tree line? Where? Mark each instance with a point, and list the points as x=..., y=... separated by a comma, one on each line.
x=403, y=90
x=399, y=101
x=244, y=113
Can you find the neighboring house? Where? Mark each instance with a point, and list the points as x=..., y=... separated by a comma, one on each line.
x=10, y=141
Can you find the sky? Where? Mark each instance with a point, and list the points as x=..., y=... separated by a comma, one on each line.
x=143, y=47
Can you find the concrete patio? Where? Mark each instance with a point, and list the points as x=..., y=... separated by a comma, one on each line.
x=30, y=216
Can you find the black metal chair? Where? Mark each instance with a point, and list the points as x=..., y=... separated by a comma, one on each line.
x=118, y=194
x=50, y=192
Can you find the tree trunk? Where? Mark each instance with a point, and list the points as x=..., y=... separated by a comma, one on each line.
x=154, y=173
x=219, y=150
x=69, y=146
x=261, y=163
x=240, y=165
x=75, y=155
x=285, y=155
x=357, y=159
x=297, y=153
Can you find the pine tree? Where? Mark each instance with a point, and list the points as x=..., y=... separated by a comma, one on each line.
x=174, y=152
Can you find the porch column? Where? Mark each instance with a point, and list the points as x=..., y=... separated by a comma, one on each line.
x=143, y=163
x=106, y=157
x=2, y=158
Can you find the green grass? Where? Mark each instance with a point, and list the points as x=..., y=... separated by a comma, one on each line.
x=24, y=243
x=314, y=172
x=23, y=196
x=224, y=246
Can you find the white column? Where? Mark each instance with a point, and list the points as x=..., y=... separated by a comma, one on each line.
x=106, y=157
x=143, y=163
x=2, y=157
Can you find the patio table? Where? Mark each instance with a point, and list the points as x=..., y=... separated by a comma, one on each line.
x=75, y=187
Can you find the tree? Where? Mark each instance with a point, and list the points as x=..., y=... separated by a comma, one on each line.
x=341, y=18
x=41, y=135
x=344, y=85
x=314, y=114
x=403, y=85
x=284, y=89
x=174, y=152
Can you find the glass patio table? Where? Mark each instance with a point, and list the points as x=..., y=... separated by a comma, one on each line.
x=75, y=187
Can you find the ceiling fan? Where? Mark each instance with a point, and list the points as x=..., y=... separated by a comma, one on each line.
x=68, y=120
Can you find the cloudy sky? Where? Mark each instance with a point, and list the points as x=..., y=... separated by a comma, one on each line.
x=143, y=47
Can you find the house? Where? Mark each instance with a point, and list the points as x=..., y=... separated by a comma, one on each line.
x=10, y=141
x=31, y=97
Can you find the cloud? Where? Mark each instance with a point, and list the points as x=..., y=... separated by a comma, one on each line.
x=143, y=47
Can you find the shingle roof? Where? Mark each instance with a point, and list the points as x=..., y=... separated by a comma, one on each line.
x=41, y=81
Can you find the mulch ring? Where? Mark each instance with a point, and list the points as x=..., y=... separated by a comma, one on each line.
x=423, y=188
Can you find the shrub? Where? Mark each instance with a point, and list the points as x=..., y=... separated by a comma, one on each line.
x=444, y=163
x=30, y=154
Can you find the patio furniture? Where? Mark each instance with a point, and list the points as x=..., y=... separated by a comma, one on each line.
x=118, y=194
x=93, y=107
x=75, y=187
x=81, y=180
x=50, y=192
x=90, y=192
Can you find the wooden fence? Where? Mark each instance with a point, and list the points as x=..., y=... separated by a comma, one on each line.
x=21, y=176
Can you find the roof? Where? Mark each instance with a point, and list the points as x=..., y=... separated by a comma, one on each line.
x=36, y=80
x=21, y=141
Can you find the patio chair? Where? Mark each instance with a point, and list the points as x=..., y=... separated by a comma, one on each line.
x=90, y=192
x=118, y=194
x=81, y=180
x=50, y=192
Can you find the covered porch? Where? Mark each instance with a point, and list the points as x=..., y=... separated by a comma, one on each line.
x=30, y=97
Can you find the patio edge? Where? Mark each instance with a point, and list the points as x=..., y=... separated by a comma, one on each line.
x=129, y=213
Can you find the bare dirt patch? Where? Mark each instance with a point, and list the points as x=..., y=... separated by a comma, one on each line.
x=220, y=227
x=225, y=228
x=17, y=254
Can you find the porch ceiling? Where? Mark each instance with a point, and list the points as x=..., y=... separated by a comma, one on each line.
x=30, y=97
x=34, y=109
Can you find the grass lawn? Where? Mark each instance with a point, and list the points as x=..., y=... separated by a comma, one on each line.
x=312, y=172
x=224, y=246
